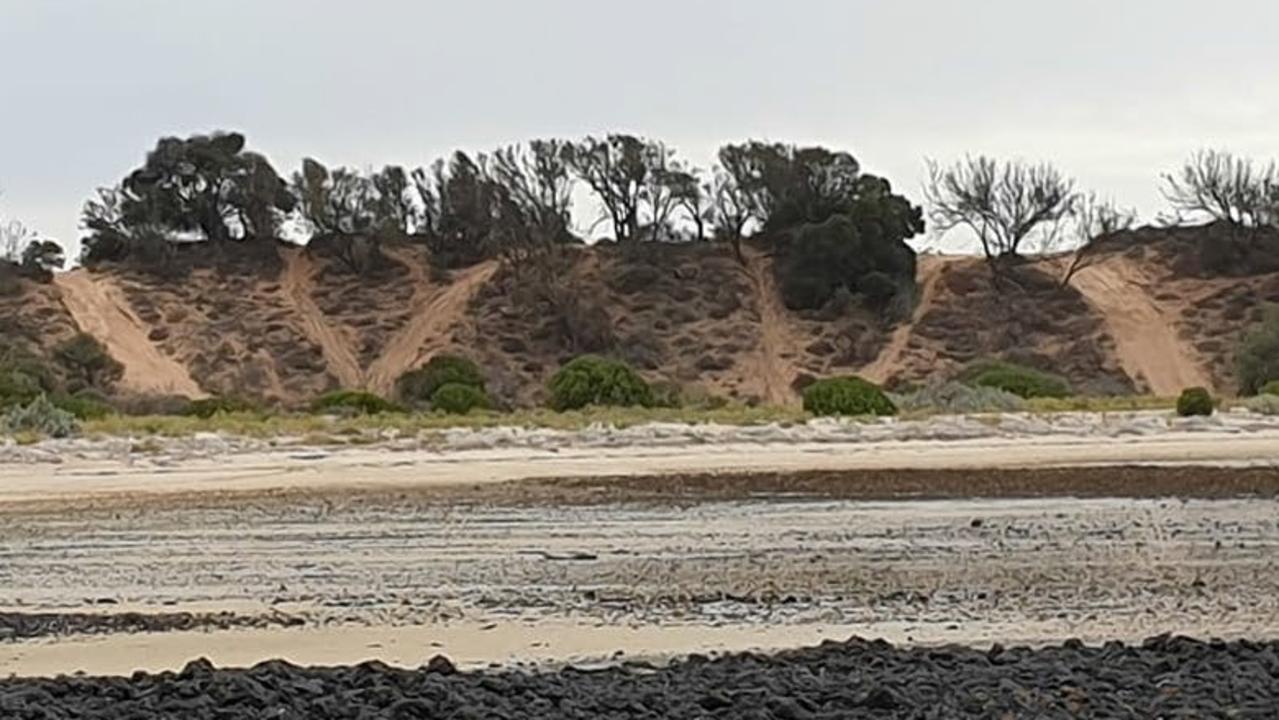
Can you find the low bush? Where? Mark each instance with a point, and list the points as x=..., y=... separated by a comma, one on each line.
x=459, y=399
x=87, y=364
x=206, y=408
x=958, y=398
x=848, y=395
x=1194, y=401
x=1021, y=381
x=417, y=387
x=593, y=380
x=1258, y=358
x=84, y=405
x=1264, y=404
x=1270, y=388
x=667, y=394
x=170, y=405
x=42, y=417
x=353, y=402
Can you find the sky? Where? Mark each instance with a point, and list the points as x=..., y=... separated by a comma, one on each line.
x=1115, y=93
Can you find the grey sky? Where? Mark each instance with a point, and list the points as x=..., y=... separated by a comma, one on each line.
x=1114, y=92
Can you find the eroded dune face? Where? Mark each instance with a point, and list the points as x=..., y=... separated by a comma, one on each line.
x=696, y=316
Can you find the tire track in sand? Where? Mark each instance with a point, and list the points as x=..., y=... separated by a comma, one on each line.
x=889, y=359
x=435, y=308
x=296, y=282
x=769, y=366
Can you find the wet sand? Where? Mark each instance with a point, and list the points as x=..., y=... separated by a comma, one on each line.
x=579, y=569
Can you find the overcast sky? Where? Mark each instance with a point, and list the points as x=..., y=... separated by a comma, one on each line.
x=1114, y=91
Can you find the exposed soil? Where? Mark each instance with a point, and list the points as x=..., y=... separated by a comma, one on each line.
x=237, y=333
x=772, y=370
x=1147, y=342
x=297, y=285
x=1029, y=320
x=101, y=310
x=1146, y=316
x=892, y=357
x=434, y=310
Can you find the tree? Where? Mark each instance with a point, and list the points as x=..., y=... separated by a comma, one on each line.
x=351, y=214
x=1222, y=187
x=729, y=209
x=36, y=257
x=619, y=169
x=1094, y=220
x=784, y=186
x=1004, y=204
x=207, y=185
x=42, y=257
x=539, y=181
x=691, y=196
x=103, y=216
x=468, y=206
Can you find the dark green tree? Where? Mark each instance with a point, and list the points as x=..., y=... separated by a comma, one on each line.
x=206, y=184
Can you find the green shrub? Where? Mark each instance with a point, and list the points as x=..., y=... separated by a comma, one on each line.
x=459, y=399
x=953, y=397
x=17, y=387
x=40, y=416
x=353, y=402
x=593, y=380
x=206, y=408
x=84, y=405
x=1021, y=381
x=417, y=387
x=1258, y=358
x=1270, y=388
x=849, y=395
x=1194, y=401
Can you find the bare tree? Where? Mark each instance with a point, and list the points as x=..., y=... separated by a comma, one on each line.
x=538, y=179
x=1006, y=205
x=730, y=209
x=1219, y=186
x=619, y=168
x=691, y=198
x=1094, y=220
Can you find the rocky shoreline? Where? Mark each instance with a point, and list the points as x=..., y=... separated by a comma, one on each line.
x=1164, y=677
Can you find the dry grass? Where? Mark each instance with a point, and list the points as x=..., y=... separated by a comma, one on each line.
x=341, y=430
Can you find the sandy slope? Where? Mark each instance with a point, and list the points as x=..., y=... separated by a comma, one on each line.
x=435, y=309
x=929, y=271
x=296, y=282
x=771, y=369
x=101, y=310
x=1148, y=345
